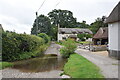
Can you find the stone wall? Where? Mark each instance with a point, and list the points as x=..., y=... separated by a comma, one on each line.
x=98, y=48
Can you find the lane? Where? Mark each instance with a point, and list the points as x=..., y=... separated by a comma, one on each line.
x=108, y=66
x=53, y=49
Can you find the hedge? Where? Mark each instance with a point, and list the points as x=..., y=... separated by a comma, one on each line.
x=45, y=37
x=21, y=46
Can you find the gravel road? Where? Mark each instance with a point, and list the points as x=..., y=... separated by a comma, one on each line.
x=108, y=66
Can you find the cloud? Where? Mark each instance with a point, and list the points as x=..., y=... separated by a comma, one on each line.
x=19, y=15
x=10, y=23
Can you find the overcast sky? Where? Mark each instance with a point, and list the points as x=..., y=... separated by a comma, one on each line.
x=19, y=15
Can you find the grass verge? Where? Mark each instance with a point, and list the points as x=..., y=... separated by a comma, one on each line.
x=79, y=67
x=84, y=42
x=5, y=65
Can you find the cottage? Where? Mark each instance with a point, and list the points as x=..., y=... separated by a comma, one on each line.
x=101, y=37
x=64, y=33
x=113, y=21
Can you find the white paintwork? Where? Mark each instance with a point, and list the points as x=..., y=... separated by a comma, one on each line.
x=119, y=36
x=60, y=36
x=114, y=33
x=89, y=39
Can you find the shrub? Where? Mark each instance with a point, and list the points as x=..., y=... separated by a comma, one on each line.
x=69, y=48
x=45, y=37
x=83, y=36
x=21, y=46
x=88, y=36
x=64, y=52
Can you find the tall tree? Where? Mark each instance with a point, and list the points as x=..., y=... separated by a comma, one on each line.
x=82, y=24
x=62, y=17
x=44, y=25
x=99, y=22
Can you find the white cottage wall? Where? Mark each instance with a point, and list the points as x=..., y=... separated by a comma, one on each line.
x=113, y=36
x=119, y=35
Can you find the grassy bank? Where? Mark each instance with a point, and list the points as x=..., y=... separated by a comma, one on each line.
x=79, y=67
x=5, y=65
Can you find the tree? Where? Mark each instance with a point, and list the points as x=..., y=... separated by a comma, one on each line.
x=83, y=24
x=45, y=37
x=99, y=22
x=54, y=31
x=64, y=18
x=44, y=25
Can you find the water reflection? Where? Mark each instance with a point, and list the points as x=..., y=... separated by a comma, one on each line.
x=40, y=64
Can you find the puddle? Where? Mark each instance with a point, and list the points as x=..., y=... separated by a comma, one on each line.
x=40, y=64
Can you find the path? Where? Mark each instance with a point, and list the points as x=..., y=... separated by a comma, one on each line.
x=108, y=66
x=53, y=49
x=14, y=73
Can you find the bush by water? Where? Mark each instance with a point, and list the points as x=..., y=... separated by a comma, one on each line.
x=21, y=46
x=69, y=48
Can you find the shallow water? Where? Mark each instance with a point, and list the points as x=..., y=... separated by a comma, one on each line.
x=40, y=64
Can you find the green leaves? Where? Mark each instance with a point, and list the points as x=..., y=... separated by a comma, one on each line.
x=69, y=48
x=99, y=22
x=62, y=17
x=45, y=37
x=83, y=36
x=20, y=46
x=44, y=25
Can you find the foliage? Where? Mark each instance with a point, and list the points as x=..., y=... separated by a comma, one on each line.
x=82, y=37
x=65, y=19
x=54, y=32
x=62, y=17
x=20, y=46
x=82, y=24
x=88, y=36
x=45, y=37
x=60, y=42
x=79, y=67
x=99, y=22
x=5, y=65
x=69, y=48
x=44, y=25
x=85, y=42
